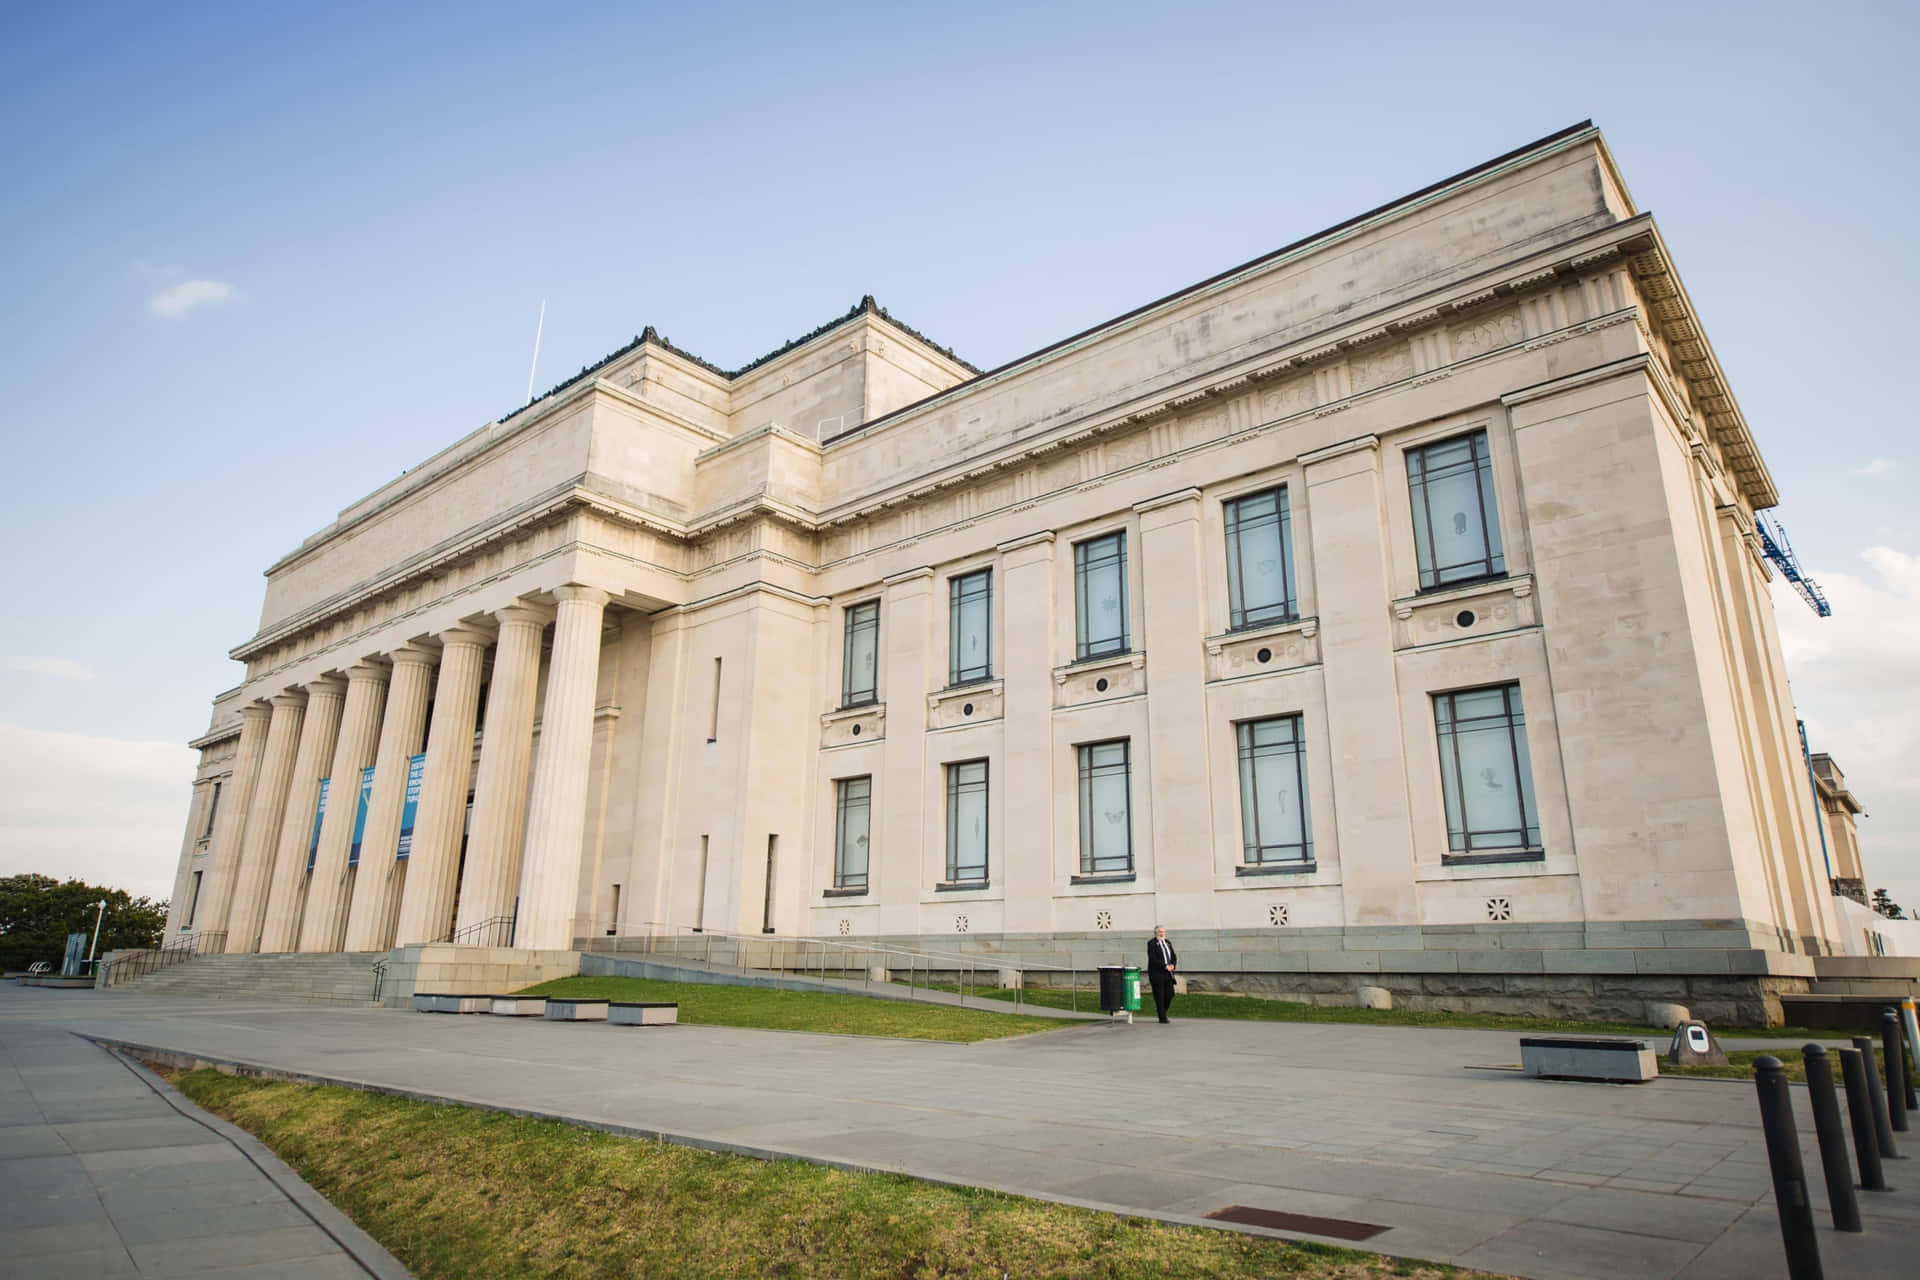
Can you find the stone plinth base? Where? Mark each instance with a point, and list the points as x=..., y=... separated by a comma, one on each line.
x=441, y=968
x=628, y=1013
x=441, y=1002
x=517, y=1006
x=559, y=1010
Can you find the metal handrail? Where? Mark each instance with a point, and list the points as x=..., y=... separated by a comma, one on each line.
x=138, y=964
x=379, y=977
x=815, y=954
x=498, y=925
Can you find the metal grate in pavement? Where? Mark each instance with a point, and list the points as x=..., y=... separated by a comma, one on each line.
x=1337, y=1228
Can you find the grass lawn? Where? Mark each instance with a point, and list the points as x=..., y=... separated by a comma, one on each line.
x=458, y=1193
x=1740, y=1066
x=1268, y=1009
x=822, y=1011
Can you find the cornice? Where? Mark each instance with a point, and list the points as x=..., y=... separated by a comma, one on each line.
x=1359, y=444
x=207, y=739
x=747, y=589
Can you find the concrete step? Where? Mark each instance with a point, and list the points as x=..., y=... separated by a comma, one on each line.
x=319, y=978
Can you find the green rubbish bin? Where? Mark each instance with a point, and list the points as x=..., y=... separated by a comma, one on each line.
x=1130, y=987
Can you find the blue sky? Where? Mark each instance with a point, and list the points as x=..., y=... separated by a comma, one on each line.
x=263, y=258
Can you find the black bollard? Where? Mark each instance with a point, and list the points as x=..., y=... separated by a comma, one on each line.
x=1833, y=1139
x=1882, y=1129
x=1913, y=1095
x=1789, y=1180
x=1896, y=1066
x=1866, y=1143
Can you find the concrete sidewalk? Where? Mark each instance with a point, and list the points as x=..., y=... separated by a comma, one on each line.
x=106, y=1172
x=1412, y=1130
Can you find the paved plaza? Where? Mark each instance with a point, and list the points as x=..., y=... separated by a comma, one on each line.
x=1414, y=1130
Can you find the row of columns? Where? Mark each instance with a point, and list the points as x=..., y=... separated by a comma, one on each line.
x=260, y=893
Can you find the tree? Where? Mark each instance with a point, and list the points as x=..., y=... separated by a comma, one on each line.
x=38, y=912
x=1887, y=906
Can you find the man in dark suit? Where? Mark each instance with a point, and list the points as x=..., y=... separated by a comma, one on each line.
x=1161, y=958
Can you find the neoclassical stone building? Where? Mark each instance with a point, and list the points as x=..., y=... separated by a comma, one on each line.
x=1386, y=609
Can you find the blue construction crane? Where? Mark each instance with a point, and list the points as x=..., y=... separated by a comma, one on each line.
x=1773, y=540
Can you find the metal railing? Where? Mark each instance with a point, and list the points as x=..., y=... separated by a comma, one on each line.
x=827, y=959
x=379, y=977
x=124, y=968
x=497, y=932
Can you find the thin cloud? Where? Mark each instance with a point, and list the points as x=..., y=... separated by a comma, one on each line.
x=58, y=668
x=1878, y=467
x=176, y=301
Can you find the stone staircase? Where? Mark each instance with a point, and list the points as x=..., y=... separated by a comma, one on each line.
x=307, y=978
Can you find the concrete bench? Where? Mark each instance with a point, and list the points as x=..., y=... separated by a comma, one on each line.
x=633, y=1013
x=1609, y=1058
x=559, y=1010
x=517, y=1006
x=448, y=1002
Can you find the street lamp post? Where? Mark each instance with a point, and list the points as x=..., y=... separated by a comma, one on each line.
x=98, y=917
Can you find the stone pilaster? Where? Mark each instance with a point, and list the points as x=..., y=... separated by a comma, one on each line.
x=1025, y=781
x=556, y=811
x=287, y=893
x=230, y=824
x=1178, y=783
x=323, y=927
x=375, y=909
x=1363, y=711
x=433, y=867
x=915, y=665
x=492, y=876
x=253, y=875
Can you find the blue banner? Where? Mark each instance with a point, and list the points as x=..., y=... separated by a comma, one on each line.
x=360, y=818
x=416, y=770
x=313, y=846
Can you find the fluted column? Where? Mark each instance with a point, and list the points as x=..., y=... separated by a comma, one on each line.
x=323, y=926
x=376, y=886
x=500, y=785
x=433, y=867
x=230, y=824
x=557, y=811
x=287, y=894
x=254, y=874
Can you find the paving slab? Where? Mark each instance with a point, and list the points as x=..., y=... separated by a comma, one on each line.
x=1402, y=1127
x=143, y=1184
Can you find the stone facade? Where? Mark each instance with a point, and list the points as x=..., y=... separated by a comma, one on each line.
x=659, y=580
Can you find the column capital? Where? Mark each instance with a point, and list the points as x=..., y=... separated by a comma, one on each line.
x=326, y=686
x=289, y=698
x=573, y=592
x=256, y=711
x=368, y=669
x=412, y=655
x=464, y=634
x=524, y=613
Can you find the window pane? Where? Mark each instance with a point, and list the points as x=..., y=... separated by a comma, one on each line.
x=967, y=821
x=970, y=637
x=1260, y=559
x=1100, y=595
x=850, y=837
x=1106, y=824
x=1273, y=791
x=1456, y=526
x=860, y=682
x=1485, y=771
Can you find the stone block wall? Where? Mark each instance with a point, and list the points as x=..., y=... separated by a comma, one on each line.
x=458, y=970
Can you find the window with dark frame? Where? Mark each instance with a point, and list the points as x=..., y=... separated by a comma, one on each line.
x=860, y=665
x=193, y=901
x=970, y=629
x=967, y=822
x=1100, y=596
x=1274, y=822
x=1485, y=772
x=852, y=804
x=1106, y=808
x=1456, y=519
x=213, y=807
x=1260, y=586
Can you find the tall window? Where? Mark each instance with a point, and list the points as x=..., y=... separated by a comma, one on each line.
x=1273, y=791
x=860, y=666
x=970, y=631
x=1485, y=772
x=967, y=822
x=1456, y=524
x=853, y=800
x=1106, y=808
x=193, y=899
x=213, y=807
x=1100, y=596
x=1260, y=560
